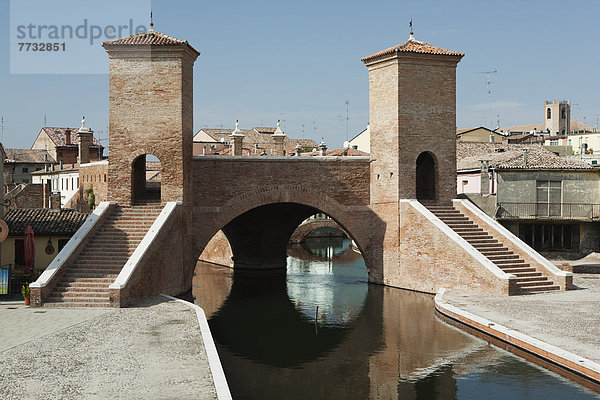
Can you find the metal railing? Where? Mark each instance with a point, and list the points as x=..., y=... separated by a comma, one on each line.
x=564, y=211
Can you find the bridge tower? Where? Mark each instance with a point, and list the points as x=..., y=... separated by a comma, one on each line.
x=412, y=108
x=150, y=113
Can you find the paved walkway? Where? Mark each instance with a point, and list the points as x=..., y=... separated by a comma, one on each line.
x=569, y=320
x=151, y=351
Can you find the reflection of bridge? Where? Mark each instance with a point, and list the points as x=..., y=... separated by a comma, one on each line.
x=308, y=227
x=392, y=340
x=259, y=201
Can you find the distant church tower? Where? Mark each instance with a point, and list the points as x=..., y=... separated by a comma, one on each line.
x=557, y=117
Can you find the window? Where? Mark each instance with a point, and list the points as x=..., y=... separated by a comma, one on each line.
x=548, y=114
x=550, y=237
x=554, y=142
x=25, y=169
x=549, y=195
x=25, y=180
x=564, y=113
x=19, y=252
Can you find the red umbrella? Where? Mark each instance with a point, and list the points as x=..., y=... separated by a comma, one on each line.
x=29, y=250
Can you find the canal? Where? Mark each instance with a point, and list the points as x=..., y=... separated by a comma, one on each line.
x=322, y=332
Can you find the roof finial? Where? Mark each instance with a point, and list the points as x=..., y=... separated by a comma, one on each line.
x=151, y=23
x=411, y=37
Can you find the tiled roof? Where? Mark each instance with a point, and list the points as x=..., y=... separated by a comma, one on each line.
x=149, y=39
x=59, y=136
x=29, y=156
x=44, y=221
x=510, y=156
x=413, y=46
x=264, y=129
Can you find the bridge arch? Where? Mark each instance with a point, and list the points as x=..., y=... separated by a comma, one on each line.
x=262, y=221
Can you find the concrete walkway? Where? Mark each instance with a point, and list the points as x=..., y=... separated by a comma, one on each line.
x=569, y=320
x=151, y=351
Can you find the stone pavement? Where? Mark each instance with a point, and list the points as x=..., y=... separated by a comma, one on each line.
x=20, y=324
x=569, y=320
x=151, y=351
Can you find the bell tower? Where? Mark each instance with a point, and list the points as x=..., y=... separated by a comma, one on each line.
x=150, y=115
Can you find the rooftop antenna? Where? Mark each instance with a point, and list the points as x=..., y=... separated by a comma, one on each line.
x=2, y=126
x=151, y=23
x=489, y=80
x=411, y=37
x=45, y=120
x=348, y=114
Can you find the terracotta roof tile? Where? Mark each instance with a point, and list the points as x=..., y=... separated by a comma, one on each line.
x=43, y=221
x=29, y=156
x=413, y=46
x=510, y=156
x=149, y=39
x=59, y=136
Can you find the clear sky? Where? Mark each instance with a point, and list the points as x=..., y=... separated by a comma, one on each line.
x=299, y=61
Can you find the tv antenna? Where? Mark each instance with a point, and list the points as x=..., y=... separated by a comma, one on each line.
x=2, y=126
x=347, y=112
x=489, y=81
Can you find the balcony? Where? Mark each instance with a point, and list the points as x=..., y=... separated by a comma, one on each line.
x=548, y=211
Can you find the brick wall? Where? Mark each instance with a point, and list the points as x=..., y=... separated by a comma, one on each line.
x=151, y=112
x=94, y=176
x=32, y=196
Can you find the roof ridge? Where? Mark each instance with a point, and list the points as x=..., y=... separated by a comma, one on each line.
x=413, y=46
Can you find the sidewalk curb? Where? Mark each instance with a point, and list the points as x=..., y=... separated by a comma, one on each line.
x=214, y=362
x=569, y=361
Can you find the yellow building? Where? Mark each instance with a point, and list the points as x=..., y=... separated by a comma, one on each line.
x=362, y=141
x=479, y=134
x=52, y=230
x=582, y=143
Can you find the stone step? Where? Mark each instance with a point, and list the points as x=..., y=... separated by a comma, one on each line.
x=468, y=229
x=525, y=275
x=540, y=282
x=476, y=235
x=72, y=294
x=85, y=280
x=541, y=288
x=516, y=262
x=496, y=251
x=496, y=257
x=83, y=301
x=77, y=284
x=518, y=270
x=536, y=278
x=102, y=257
x=107, y=274
x=484, y=246
x=483, y=241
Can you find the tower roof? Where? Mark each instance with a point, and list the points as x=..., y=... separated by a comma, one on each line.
x=412, y=46
x=148, y=38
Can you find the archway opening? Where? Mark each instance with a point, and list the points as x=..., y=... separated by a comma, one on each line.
x=146, y=174
x=425, y=177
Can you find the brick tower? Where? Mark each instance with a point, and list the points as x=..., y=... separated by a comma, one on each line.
x=150, y=113
x=412, y=111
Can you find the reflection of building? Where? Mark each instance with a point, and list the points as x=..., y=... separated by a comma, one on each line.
x=550, y=202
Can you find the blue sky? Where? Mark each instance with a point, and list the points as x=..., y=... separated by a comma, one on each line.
x=300, y=61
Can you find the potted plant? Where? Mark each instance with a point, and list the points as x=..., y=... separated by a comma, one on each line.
x=26, y=292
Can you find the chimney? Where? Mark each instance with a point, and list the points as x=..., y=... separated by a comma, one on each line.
x=278, y=138
x=55, y=201
x=237, y=137
x=525, y=158
x=85, y=141
x=322, y=148
x=485, y=177
x=67, y=137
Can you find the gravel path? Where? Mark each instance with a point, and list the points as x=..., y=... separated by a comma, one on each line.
x=151, y=351
x=569, y=320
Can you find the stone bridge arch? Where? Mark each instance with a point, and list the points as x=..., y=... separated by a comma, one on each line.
x=266, y=218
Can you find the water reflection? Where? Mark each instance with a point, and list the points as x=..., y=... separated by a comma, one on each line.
x=367, y=341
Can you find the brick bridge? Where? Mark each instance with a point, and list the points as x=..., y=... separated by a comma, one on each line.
x=141, y=242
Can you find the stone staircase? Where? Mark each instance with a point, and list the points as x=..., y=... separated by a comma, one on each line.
x=529, y=279
x=85, y=281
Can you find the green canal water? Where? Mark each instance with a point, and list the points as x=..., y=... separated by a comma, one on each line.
x=322, y=332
